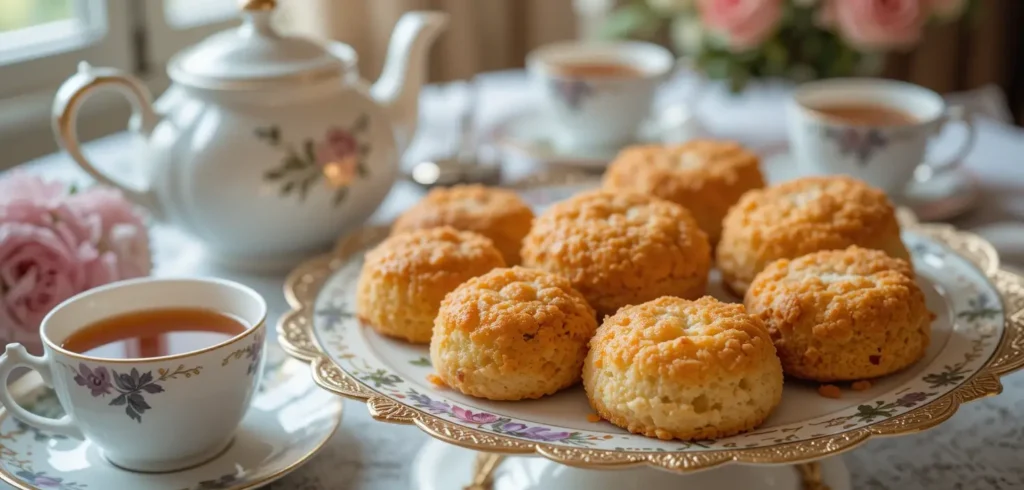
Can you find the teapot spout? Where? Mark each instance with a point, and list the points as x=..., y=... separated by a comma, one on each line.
x=405, y=70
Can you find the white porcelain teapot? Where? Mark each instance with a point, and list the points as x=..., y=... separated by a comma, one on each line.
x=266, y=147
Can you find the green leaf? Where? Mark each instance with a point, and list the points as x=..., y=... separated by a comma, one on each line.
x=310, y=148
x=739, y=75
x=362, y=122
x=292, y=162
x=306, y=183
x=287, y=188
x=776, y=57
x=339, y=195
x=274, y=174
x=717, y=68
x=635, y=20
x=422, y=362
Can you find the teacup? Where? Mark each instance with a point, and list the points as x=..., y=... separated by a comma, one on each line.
x=597, y=94
x=884, y=153
x=152, y=414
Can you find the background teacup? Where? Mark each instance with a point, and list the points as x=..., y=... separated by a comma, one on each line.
x=597, y=94
x=884, y=154
x=152, y=414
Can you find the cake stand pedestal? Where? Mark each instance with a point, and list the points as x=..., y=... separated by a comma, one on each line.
x=442, y=466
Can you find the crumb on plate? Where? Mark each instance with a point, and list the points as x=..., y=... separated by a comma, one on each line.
x=830, y=391
x=593, y=418
x=436, y=380
x=861, y=385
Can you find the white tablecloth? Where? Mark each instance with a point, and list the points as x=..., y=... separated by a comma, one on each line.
x=981, y=447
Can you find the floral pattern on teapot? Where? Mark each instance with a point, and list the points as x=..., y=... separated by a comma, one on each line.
x=337, y=160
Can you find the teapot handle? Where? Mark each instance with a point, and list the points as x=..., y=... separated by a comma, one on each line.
x=70, y=97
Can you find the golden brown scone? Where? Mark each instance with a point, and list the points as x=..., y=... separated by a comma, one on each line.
x=704, y=176
x=405, y=277
x=512, y=334
x=842, y=315
x=497, y=214
x=673, y=368
x=621, y=248
x=800, y=217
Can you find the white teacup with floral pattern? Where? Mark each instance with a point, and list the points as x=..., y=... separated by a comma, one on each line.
x=151, y=414
x=885, y=156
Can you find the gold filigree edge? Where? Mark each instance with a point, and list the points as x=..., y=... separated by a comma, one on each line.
x=295, y=333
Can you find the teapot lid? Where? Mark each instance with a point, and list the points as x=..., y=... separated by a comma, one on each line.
x=254, y=55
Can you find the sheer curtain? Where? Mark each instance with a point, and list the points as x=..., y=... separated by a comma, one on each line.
x=483, y=35
x=489, y=35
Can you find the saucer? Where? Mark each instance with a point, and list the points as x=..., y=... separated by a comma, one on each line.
x=528, y=135
x=289, y=421
x=943, y=196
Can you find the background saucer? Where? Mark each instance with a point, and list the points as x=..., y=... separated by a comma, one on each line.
x=528, y=135
x=944, y=196
x=289, y=421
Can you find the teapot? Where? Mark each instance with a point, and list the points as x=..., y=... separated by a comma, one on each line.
x=266, y=148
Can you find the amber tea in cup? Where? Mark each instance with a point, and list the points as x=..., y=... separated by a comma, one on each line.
x=596, y=70
x=154, y=333
x=865, y=114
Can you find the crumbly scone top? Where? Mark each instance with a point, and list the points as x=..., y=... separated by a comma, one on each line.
x=431, y=251
x=465, y=206
x=841, y=203
x=841, y=286
x=606, y=234
x=683, y=340
x=689, y=165
x=508, y=305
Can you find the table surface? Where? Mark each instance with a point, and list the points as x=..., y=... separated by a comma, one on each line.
x=981, y=447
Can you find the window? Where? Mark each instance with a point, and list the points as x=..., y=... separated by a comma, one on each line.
x=180, y=23
x=181, y=14
x=29, y=29
x=42, y=42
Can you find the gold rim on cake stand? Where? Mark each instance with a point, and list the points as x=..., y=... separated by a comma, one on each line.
x=296, y=336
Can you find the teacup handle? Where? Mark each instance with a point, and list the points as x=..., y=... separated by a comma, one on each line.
x=14, y=357
x=955, y=114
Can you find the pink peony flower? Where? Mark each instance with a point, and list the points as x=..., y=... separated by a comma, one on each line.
x=53, y=246
x=20, y=185
x=947, y=9
x=743, y=24
x=877, y=24
x=123, y=231
x=38, y=270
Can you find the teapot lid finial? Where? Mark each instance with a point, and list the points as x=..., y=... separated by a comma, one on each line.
x=254, y=55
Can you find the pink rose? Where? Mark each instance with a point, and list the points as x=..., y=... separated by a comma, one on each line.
x=123, y=231
x=38, y=270
x=338, y=144
x=53, y=246
x=20, y=185
x=743, y=24
x=947, y=9
x=878, y=24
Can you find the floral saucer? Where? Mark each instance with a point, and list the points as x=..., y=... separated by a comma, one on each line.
x=528, y=135
x=289, y=421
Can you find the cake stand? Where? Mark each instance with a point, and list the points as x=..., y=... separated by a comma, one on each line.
x=977, y=337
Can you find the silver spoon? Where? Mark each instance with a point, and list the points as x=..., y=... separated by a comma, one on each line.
x=465, y=166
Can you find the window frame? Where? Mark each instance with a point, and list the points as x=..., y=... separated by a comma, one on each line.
x=106, y=41
x=165, y=38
